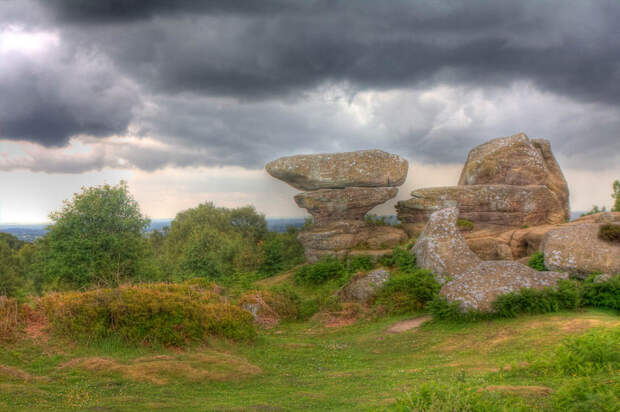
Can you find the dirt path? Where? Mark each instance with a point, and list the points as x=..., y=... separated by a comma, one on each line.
x=406, y=325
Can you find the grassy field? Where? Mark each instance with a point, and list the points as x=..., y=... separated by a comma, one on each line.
x=295, y=366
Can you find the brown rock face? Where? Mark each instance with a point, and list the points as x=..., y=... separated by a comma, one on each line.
x=517, y=161
x=338, y=239
x=364, y=168
x=496, y=205
x=441, y=248
x=478, y=287
x=577, y=249
x=352, y=203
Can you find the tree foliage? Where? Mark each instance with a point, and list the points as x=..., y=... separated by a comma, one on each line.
x=97, y=238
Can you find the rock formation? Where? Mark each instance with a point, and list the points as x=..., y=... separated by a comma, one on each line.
x=475, y=283
x=577, y=249
x=364, y=168
x=341, y=189
x=507, y=187
x=441, y=248
x=364, y=287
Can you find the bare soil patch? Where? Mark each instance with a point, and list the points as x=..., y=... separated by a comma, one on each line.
x=519, y=390
x=406, y=325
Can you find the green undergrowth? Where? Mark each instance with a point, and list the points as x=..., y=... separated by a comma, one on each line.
x=514, y=364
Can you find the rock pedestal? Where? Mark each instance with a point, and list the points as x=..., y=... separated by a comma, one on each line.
x=340, y=189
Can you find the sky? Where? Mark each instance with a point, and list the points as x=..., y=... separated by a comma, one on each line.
x=188, y=100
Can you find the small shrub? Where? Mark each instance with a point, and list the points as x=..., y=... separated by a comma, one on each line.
x=588, y=394
x=277, y=303
x=402, y=259
x=609, y=232
x=168, y=314
x=565, y=295
x=465, y=224
x=374, y=220
x=456, y=397
x=325, y=269
x=537, y=261
x=442, y=309
x=408, y=292
x=602, y=294
x=355, y=264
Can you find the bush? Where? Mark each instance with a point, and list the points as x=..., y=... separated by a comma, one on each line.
x=442, y=309
x=435, y=397
x=97, y=238
x=537, y=261
x=408, y=292
x=565, y=296
x=465, y=224
x=281, y=251
x=278, y=303
x=602, y=294
x=402, y=259
x=355, y=264
x=609, y=232
x=167, y=314
x=325, y=269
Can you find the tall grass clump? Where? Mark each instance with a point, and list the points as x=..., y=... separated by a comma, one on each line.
x=537, y=261
x=610, y=232
x=604, y=294
x=167, y=314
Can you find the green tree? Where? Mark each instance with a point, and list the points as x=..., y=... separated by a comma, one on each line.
x=97, y=238
x=616, y=196
x=11, y=270
x=209, y=241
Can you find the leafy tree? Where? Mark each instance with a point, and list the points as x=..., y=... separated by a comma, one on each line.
x=96, y=238
x=616, y=196
x=11, y=270
x=209, y=241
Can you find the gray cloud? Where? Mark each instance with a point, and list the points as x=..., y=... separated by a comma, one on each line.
x=239, y=83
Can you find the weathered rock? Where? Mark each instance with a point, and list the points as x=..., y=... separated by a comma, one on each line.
x=475, y=283
x=485, y=205
x=364, y=168
x=363, y=287
x=352, y=203
x=577, y=249
x=338, y=239
x=479, y=286
x=518, y=161
x=441, y=248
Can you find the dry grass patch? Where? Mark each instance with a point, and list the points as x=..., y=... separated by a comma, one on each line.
x=406, y=325
x=162, y=368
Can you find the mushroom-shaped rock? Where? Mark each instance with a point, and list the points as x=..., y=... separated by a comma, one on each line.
x=518, y=161
x=351, y=203
x=441, y=248
x=364, y=168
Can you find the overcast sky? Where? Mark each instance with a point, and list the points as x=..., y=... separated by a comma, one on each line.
x=188, y=100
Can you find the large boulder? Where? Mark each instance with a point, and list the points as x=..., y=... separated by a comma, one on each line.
x=352, y=203
x=475, y=283
x=364, y=168
x=517, y=161
x=363, y=286
x=498, y=205
x=478, y=287
x=577, y=249
x=441, y=247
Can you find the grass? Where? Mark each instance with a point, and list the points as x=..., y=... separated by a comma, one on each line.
x=295, y=366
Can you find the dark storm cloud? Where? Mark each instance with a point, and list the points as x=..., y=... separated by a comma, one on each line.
x=235, y=82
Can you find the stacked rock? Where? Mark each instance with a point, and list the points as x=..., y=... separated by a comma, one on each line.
x=340, y=189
